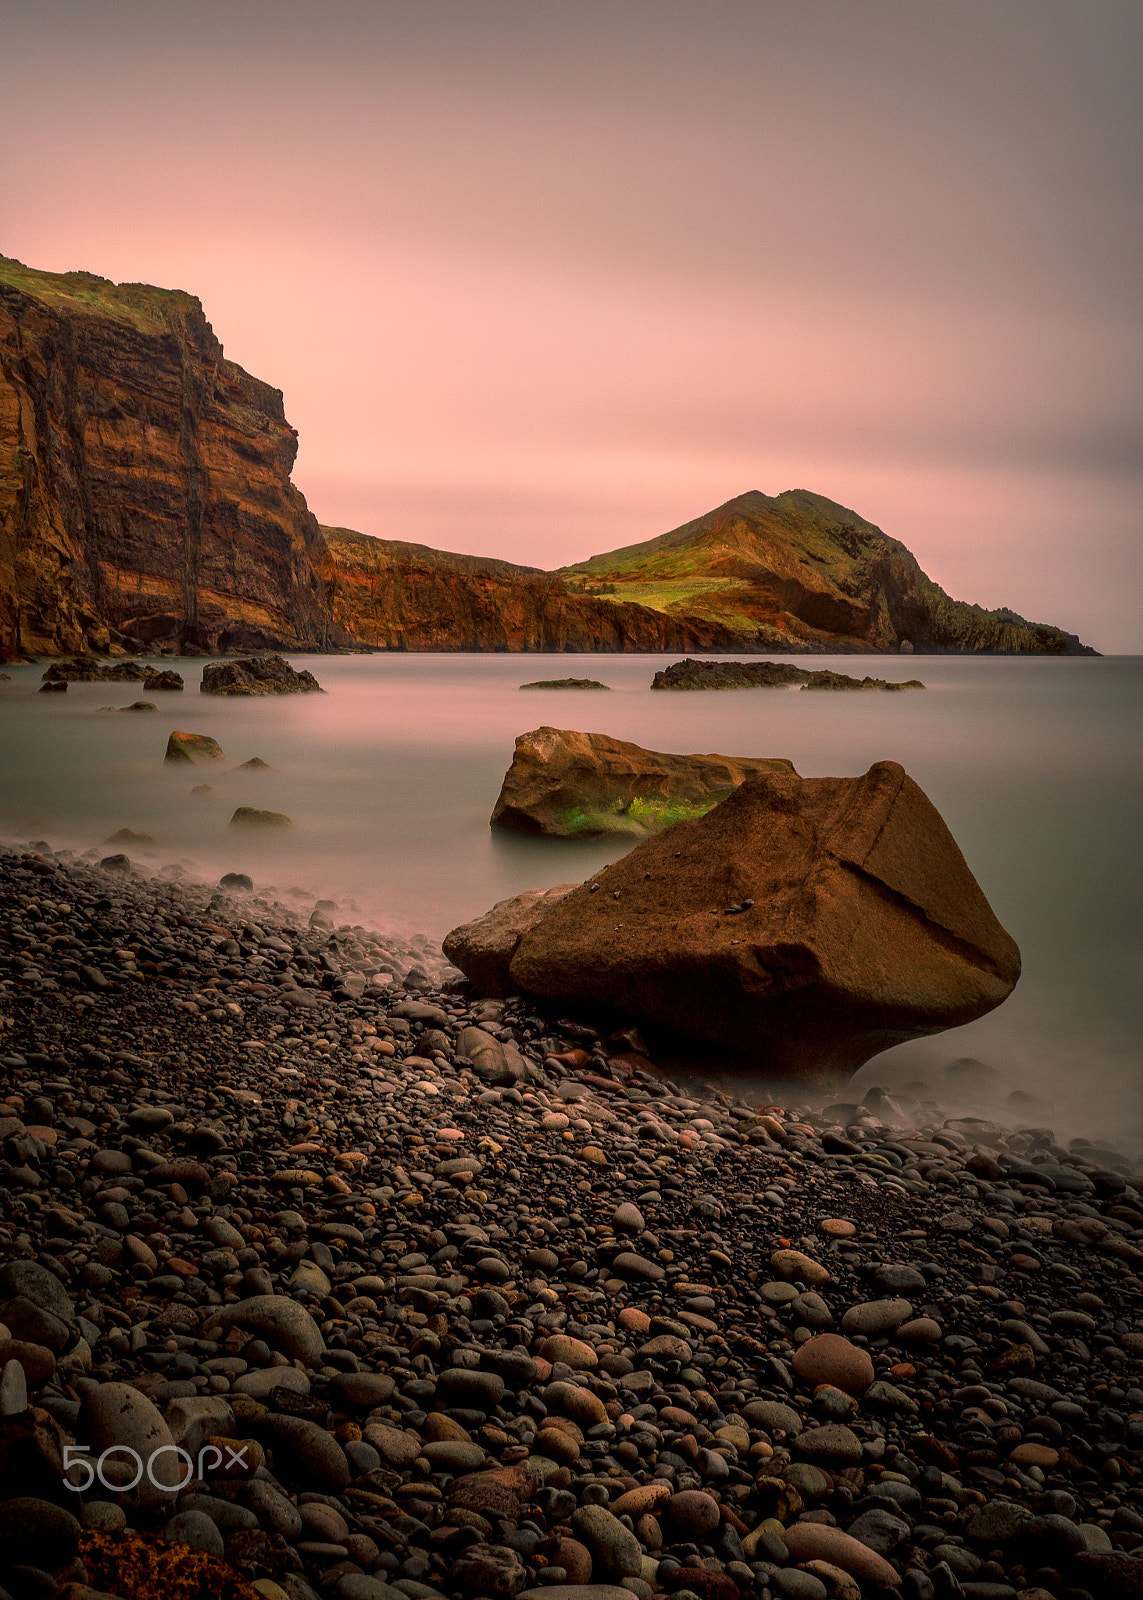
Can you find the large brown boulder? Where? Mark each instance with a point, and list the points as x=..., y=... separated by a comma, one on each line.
x=804, y=925
x=483, y=949
x=565, y=784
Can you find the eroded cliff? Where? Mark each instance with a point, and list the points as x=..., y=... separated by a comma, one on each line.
x=145, y=493
x=398, y=596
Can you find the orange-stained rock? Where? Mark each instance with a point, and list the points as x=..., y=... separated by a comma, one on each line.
x=136, y=1566
x=805, y=924
x=483, y=949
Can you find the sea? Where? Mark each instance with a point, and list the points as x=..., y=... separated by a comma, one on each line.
x=389, y=777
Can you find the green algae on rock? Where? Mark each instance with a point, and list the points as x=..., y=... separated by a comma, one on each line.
x=566, y=785
x=187, y=747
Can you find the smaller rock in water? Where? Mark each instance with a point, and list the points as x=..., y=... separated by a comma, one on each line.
x=141, y=705
x=236, y=880
x=187, y=747
x=252, y=817
x=53, y=688
x=255, y=764
x=203, y=791
x=566, y=683
x=128, y=836
x=166, y=679
x=257, y=675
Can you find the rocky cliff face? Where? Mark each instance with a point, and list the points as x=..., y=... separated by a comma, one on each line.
x=397, y=596
x=145, y=501
x=145, y=493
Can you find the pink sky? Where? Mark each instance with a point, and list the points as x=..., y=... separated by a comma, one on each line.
x=542, y=279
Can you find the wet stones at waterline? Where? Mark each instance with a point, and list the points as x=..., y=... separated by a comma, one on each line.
x=443, y=1296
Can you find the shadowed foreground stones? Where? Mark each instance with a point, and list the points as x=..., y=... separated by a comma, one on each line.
x=135, y=1566
x=828, y=1358
x=810, y=1541
x=806, y=923
x=284, y=1323
x=461, y=1301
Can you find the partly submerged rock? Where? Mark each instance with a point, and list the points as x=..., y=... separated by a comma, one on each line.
x=255, y=764
x=483, y=949
x=193, y=747
x=257, y=675
x=252, y=817
x=565, y=784
x=236, y=881
x=129, y=836
x=54, y=686
x=166, y=679
x=691, y=674
x=805, y=924
x=141, y=705
x=566, y=683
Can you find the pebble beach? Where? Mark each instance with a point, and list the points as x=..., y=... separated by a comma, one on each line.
x=469, y=1301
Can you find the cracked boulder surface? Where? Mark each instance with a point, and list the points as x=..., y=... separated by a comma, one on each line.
x=805, y=924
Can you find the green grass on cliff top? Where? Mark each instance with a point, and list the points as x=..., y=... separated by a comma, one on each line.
x=140, y=304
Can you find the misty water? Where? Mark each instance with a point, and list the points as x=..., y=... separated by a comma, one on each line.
x=1036, y=765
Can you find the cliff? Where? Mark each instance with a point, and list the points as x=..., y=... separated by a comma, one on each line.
x=146, y=502
x=797, y=572
x=145, y=494
x=398, y=596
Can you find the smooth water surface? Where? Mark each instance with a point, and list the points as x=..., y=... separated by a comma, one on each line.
x=1035, y=763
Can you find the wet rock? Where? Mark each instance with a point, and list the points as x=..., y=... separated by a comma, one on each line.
x=830, y=1358
x=253, y=817
x=257, y=675
x=810, y=1541
x=128, y=1425
x=184, y=748
x=875, y=1317
x=37, y=1533
x=283, y=1323
x=615, y=1551
x=304, y=1452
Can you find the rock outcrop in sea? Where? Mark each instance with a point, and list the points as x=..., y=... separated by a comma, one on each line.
x=257, y=675
x=567, y=784
x=191, y=747
x=803, y=925
x=765, y=675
